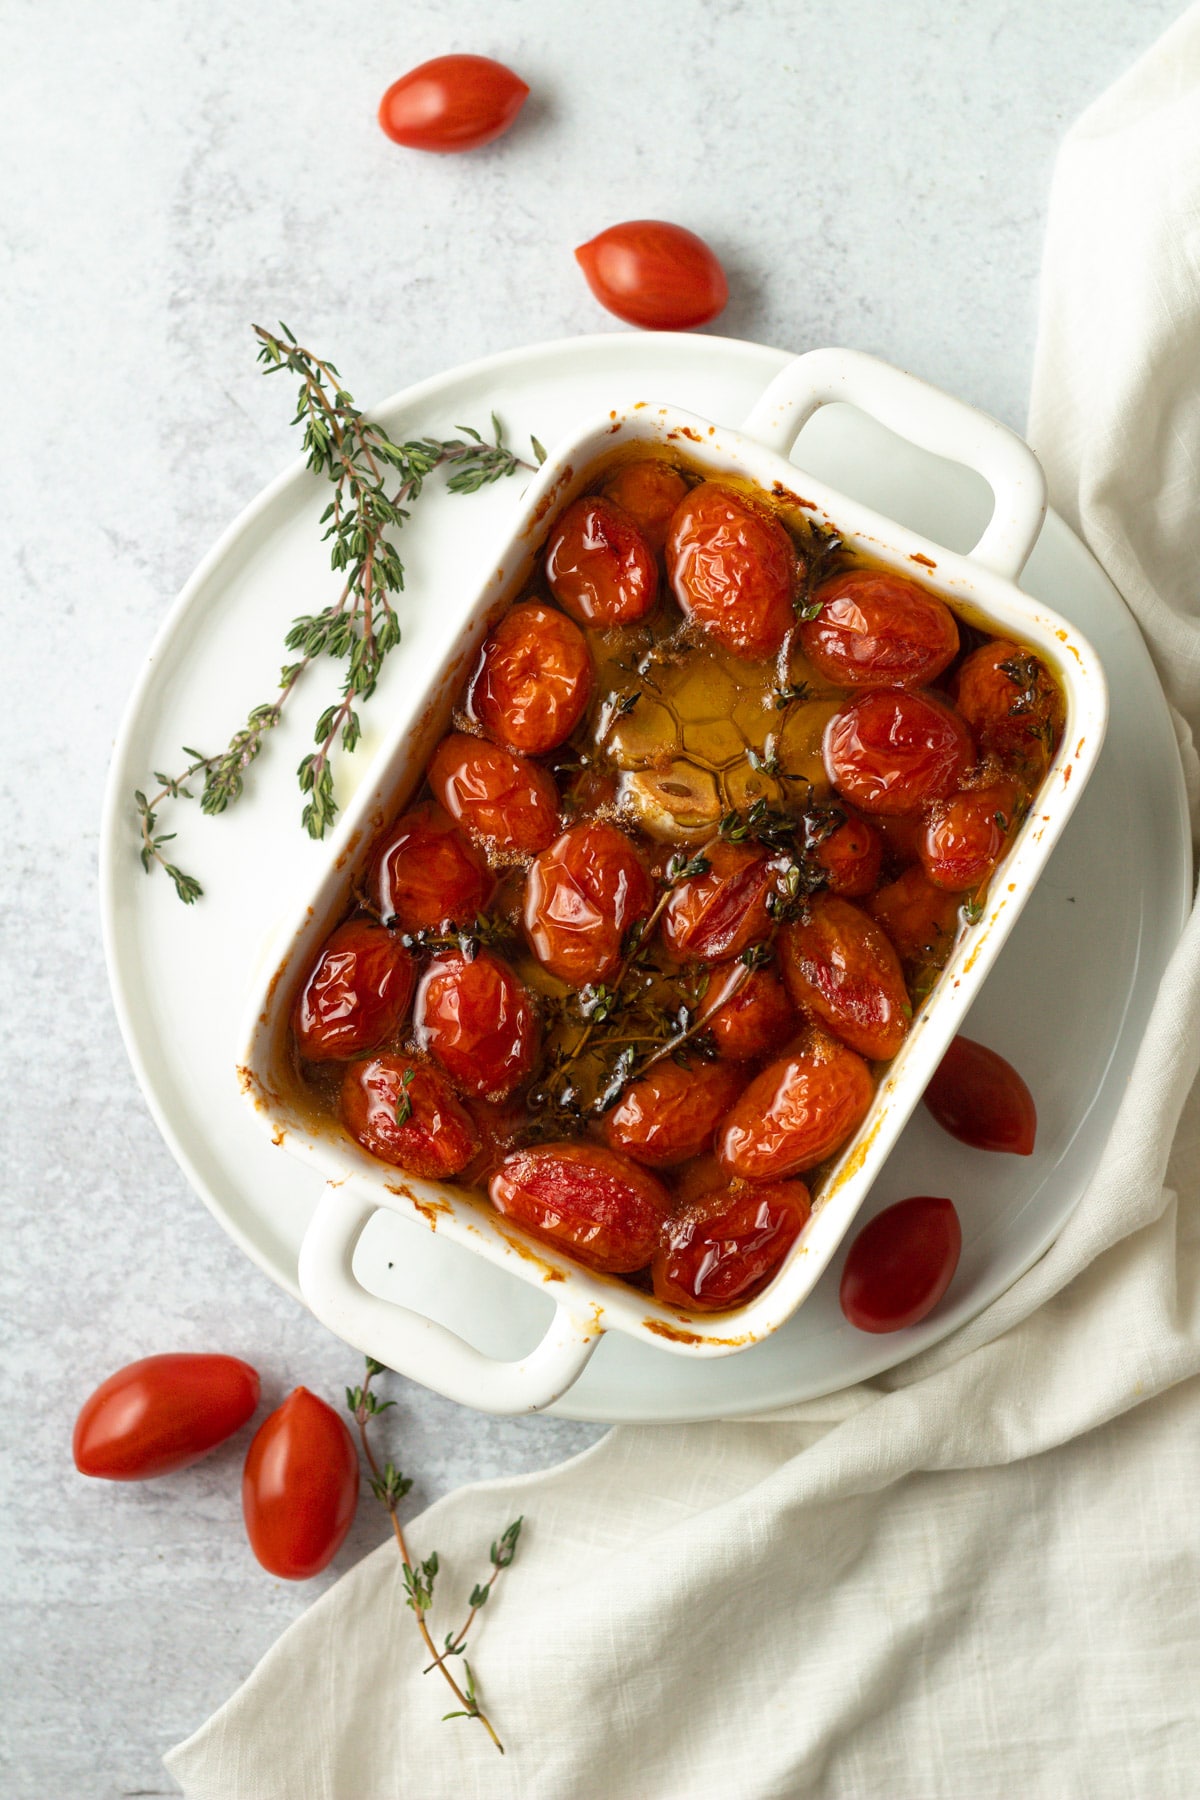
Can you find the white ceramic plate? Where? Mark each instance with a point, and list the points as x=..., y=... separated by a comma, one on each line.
x=1067, y=1001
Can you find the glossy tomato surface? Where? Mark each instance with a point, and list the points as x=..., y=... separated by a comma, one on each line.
x=722, y=1250
x=533, y=681
x=840, y=968
x=980, y=1099
x=722, y=911
x=479, y=1021
x=733, y=568
x=299, y=1487
x=598, y=565
x=357, y=995
x=405, y=1112
x=669, y=1114
x=162, y=1413
x=891, y=750
x=920, y=920
x=755, y=1021
x=648, y=492
x=598, y=1206
x=654, y=274
x=876, y=629
x=582, y=897
x=452, y=103
x=1012, y=704
x=900, y=1264
x=426, y=874
x=504, y=799
x=852, y=856
x=964, y=837
x=796, y=1113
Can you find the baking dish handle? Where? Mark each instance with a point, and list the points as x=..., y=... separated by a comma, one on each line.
x=927, y=417
x=419, y=1347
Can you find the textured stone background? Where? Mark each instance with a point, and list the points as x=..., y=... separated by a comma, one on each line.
x=872, y=173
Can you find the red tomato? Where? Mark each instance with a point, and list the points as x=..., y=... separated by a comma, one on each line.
x=582, y=895
x=756, y=1021
x=599, y=1207
x=979, y=1098
x=1012, y=703
x=901, y=1264
x=407, y=1114
x=720, y=913
x=478, y=1020
x=655, y=275
x=534, y=680
x=796, y=1113
x=839, y=966
x=920, y=920
x=733, y=567
x=504, y=799
x=670, y=1114
x=162, y=1413
x=299, y=1487
x=426, y=874
x=851, y=855
x=724, y=1249
x=598, y=565
x=357, y=994
x=964, y=836
x=452, y=103
x=890, y=750
x=648, y=492
x=877, y=630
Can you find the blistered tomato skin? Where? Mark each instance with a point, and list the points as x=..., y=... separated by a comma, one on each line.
x=796, y=1113
x=920, y=920
x=582, y=896
x=878, y=630
x=648, y=492
x=839, y=966
x=503, y=798
x=722, y=1250
x=964, y=837
x=357, y=995
x=452, y=103
x=426, y=874
x=479, y=1021
x=654, y=274
x=1009, y=700
x=670, y=1114
x=756, y=1021
x=900, y=1264
x=720, y=913
x=733, y=568
x=599, y=567
x=534, y=680
x=592, y=1203
x=406, y=1113
x=891, y=750
x=980, y=1099
x=162, y=1413
x=299, y=1487
x=851, y=856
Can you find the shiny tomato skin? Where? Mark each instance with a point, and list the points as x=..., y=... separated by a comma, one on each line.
x=755, y=1022
x=1012, y=704
x=654, y=274
x=839, y=966
x=980, y=1099
x=452, y=103
x=920, y=920
x=648, y=493
x=892, y=749
x=592, y=1203
x=533, y=681
x=357, y=994
x=719, y=914
x=437, y=1138
x=852, y=856
x=299, y=1487
x=669, y=1114
x=796, y=1113
x=733, y=568
x=582, y=896
x=724, y=1249
x=900, y=1264
x=477, y=1019
x=162, y=1413
x=504, y=799
x=426, y=874
x=964, y=837
x=599, y=567
x=878, y=630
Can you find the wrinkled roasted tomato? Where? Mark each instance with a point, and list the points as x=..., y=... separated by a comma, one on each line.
x=840, y=967
x=599, y=567
x=534, y=680
x=890, y=751
x=733, y=568
x=648, y=493
x=600, y=1207
x=878, y=630
x=504, y=799
x=754, y=1021
x=1012, y=703
x=669, y=1114
x=964, y=836
x=723, y=1249
x=426, y=874
x=582, y=895
x=408, y=1114
x=796, y=1113
x=357, y=994
x=722, y=911
x=476, y=1018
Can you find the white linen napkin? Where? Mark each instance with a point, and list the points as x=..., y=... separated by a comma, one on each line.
x=978, y=1574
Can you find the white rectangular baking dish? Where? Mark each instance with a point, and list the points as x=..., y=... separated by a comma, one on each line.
x=981, y=586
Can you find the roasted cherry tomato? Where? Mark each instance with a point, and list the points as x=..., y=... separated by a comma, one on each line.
x=1012, y=704
x=659, y=276
x=733, y=568
x=648, y=492
x=890, y=750
x=452, y=103
x=357, y=995
x=839, y=966
x=299, y=1487
x=669, y=1114
x=755, y=1021
x=851, y=856
x=582, y=895
x=534, y=679
x=901, y=1264
x=426, y=874
x=503, y=798
x=407, y=1114
x=921, y=921
x=599, y=566
x=796, y=1113
x=723, y=1249
x=878, y=630
x=979, y=1098
x=598, y=1206
x=964, y=836
x=162, y=1413
x=478, y=1020
x=721, y=912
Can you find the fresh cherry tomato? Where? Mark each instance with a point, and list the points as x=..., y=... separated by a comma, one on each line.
x=478, y=1020
x=900, y=1264
x=889, y=750
x=964, y=836
x=669, y=1114
x=659, y=276
x=582, y=895
x=839, y=966
x=1012, y=703
x=533, y=681
x=161, y=1414
x=851, y=855
x=979, y=1098
x=599, y=567
x=756, y=1021
x=724, y=1249
x=920, y=920
x=878, y=630
x=721, y=912
x=426, y=874
x=452, y=103
x=509, y=802
x=407, y=1114
x=598, y=1206
x=733, y=568
x=796, y=1113
x=357, y=994
x=299, y=1487
x=648, y=492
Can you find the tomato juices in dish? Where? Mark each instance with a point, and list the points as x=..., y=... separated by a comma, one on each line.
x=715, y=801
